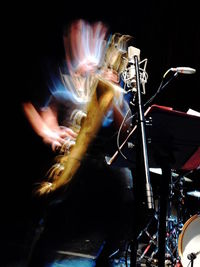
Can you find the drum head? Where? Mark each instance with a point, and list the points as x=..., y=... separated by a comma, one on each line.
x=189, y=242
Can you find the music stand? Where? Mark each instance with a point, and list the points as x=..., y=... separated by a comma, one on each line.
x=173, y=143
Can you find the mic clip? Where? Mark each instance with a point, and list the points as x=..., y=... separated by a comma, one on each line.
x=191, y=256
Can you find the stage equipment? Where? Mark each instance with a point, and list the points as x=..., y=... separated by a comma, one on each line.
x=175, y=218
x=194, y=193
x=173, y=144
x=135, y=75
x=129, y=73
x=184, y=70
x=133, y=78
x=189, y=242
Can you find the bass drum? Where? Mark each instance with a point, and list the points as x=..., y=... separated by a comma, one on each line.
x=189, y=242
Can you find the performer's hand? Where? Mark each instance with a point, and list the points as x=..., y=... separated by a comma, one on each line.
x=61, y=139
x=110, y=75
x=45, y=124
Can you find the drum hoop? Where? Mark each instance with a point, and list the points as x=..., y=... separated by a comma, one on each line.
x=185, y=226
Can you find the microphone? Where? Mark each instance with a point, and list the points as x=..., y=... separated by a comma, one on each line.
x=129, y=75
x=184, y=70
x=133, y=51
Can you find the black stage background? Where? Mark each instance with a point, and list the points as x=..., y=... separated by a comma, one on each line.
x=167, y=32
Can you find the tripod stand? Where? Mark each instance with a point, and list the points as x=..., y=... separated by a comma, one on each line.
x=174, y=223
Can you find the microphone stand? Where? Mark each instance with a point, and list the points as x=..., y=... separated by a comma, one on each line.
x=141, y=157
x=142, y=136
x=191, y=257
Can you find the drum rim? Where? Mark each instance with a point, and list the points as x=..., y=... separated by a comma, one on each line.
x=185, y=226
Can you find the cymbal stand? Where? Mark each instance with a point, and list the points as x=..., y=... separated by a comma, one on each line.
x=171, y=225
x=173, y=228
x=153, y=242
x=174, y=223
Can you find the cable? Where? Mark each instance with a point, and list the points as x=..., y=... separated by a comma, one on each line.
x=161, y=87
x=118, y=135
